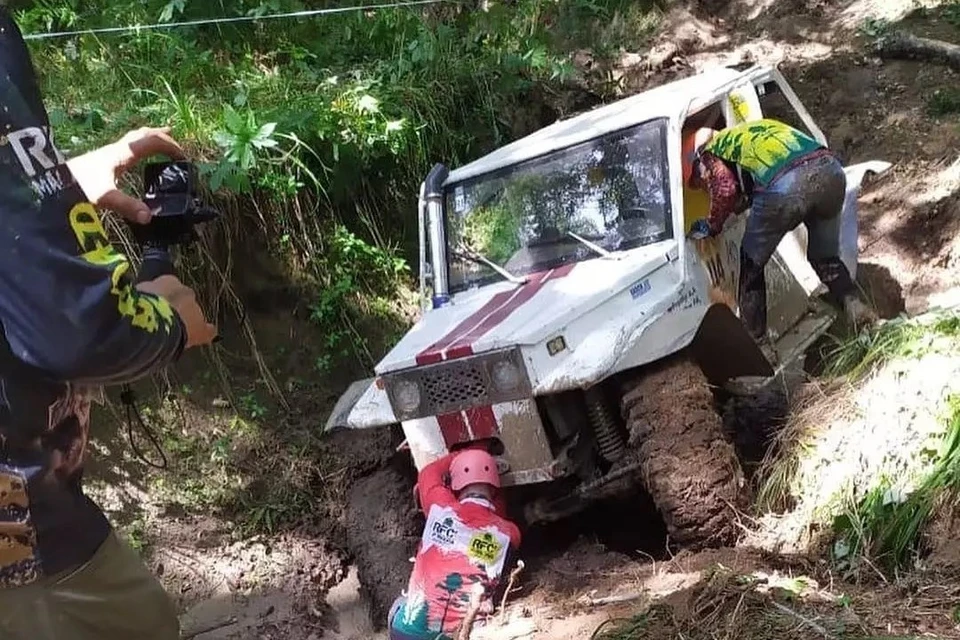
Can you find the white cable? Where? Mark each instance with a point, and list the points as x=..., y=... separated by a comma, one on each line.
x=194, y=23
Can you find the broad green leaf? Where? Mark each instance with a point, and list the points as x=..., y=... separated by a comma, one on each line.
x=368, y=104
x=232, y=119
x=267, y=130
x=224, y=139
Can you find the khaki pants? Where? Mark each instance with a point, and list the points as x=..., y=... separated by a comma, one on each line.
x=112, y=597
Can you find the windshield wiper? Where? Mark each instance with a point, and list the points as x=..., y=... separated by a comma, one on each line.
x=592, y=246
x=464, y=252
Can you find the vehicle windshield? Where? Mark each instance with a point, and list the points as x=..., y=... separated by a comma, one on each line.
x=611, y=191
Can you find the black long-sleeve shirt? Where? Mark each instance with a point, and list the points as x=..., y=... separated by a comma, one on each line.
x=72, y=321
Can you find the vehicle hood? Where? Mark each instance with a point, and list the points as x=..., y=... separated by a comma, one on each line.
x=506, y=315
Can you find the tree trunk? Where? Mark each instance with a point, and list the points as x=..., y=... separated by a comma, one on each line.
x=903, y=45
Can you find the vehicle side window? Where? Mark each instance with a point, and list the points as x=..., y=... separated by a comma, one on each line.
x=775, y=105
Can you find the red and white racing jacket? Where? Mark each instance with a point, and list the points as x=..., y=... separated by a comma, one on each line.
x=463, y=543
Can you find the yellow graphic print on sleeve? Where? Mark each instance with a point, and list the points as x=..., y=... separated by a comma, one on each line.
x=146, y=313
x=762, y=147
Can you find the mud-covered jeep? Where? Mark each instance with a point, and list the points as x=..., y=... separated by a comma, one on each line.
x=569, y=323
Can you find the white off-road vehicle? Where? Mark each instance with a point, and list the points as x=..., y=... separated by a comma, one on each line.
x=569, y=323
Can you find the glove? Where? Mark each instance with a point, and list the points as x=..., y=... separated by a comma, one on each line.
x=700, y=230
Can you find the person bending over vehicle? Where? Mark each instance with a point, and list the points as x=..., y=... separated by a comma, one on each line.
x=465, y=543
x=71, y=320
x=786, y=178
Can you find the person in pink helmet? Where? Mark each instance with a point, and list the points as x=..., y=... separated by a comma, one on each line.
x=464, y=547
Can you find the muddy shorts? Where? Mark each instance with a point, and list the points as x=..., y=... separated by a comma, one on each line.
x=112, y=597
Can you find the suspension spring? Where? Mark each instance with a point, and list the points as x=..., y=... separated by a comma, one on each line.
x=605, y=428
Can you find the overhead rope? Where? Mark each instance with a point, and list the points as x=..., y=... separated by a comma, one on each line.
x=196, y=23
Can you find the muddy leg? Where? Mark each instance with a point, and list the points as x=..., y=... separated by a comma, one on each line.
x=753, y=297
x=766, y=227
x=825, y=187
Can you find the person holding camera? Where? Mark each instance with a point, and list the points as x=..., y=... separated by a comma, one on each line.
x=73, y=320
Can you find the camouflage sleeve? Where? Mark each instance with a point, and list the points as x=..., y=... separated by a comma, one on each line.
x=723, y=188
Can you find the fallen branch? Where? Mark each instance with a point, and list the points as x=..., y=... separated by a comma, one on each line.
x=207, y=629
x=513, y=578
x=476, y=597
x=626, y=597
x=902, y=45
x=804, y=620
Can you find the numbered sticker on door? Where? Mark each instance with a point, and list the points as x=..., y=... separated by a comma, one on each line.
x=720, y=275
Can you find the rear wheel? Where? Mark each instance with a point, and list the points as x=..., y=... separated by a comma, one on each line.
x=687, y=463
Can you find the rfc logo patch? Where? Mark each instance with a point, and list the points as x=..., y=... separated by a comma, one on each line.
x=484, y=548
x=443, y=532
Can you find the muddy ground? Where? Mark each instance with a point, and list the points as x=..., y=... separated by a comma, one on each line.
x=580, y=574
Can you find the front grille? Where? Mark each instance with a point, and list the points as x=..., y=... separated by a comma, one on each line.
x=456, y=385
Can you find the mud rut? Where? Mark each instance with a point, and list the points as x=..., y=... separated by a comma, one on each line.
x=690, y=462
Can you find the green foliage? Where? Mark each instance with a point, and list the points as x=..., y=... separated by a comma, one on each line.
x=944, y=102
x=252, y=407
x=874, y=28
x=951, y=12
x=136, y=534
x=886, y=526
x=493, y=232
x=629, y=628
x=242, y=139
x=856, y=355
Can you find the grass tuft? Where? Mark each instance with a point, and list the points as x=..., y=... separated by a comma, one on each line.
x=944, y=102
x=886, y=526
x=869, y=454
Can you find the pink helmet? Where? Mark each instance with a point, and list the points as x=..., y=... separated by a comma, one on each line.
x=473, y=466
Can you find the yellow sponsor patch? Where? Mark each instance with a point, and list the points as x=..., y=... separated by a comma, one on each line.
x=484, y=548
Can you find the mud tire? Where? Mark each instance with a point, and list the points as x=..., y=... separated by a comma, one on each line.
x=754, y=422
x=688, y=464
x=382, y=530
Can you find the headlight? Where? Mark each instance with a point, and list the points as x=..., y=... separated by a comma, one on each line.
x=506, y=376
x=407, y=395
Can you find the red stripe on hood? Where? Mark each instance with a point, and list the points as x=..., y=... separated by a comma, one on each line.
x=482, y=422
x=434, y=353
x=453, y=428
x=459, y=342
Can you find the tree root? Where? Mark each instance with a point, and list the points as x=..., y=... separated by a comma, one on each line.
x=901, y=45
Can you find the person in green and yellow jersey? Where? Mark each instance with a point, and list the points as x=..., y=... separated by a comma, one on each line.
x=785, y=178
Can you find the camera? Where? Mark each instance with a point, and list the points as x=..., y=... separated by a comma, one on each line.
x=171, y=193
